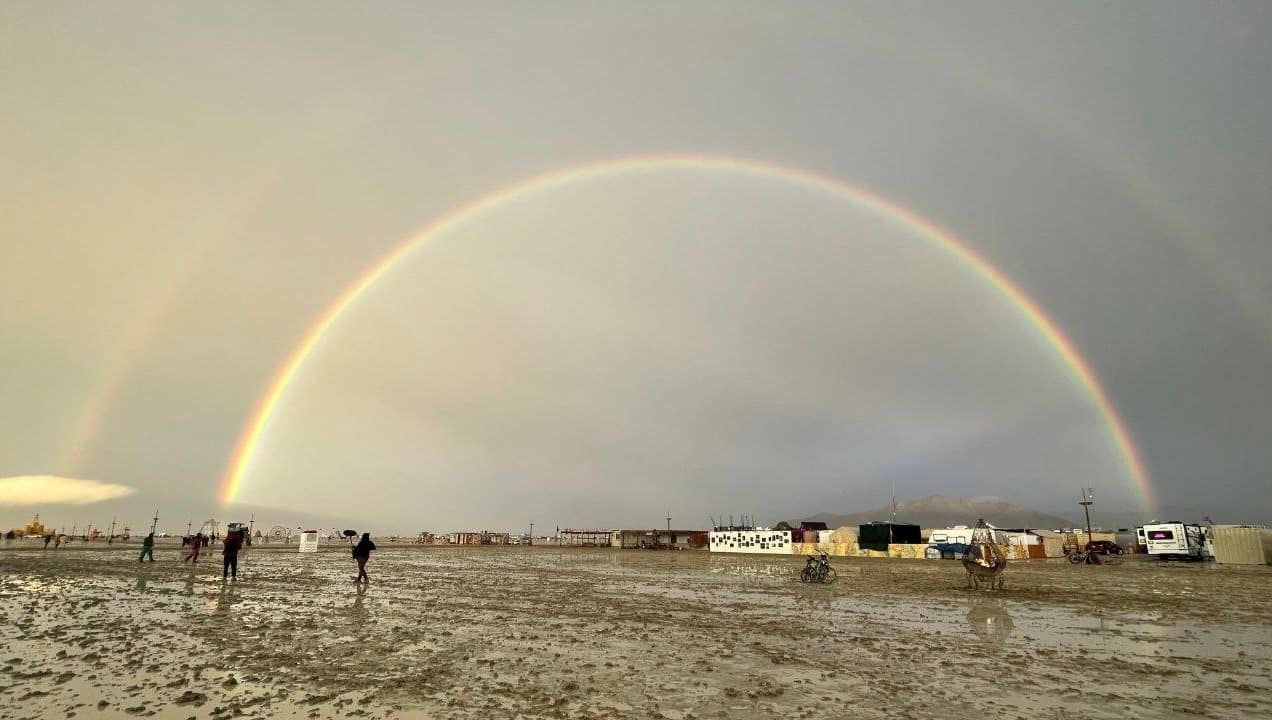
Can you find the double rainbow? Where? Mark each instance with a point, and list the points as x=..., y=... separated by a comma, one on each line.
x=245, y=449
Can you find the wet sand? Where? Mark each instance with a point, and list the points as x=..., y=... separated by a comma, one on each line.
x=558, y=633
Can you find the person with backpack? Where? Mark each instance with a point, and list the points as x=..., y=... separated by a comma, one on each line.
x=362, y=553
x=147, y=548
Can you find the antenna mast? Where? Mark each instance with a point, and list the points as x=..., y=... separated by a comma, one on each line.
x=1088, y=499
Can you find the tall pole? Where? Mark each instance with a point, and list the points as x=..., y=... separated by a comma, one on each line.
x=531, y=534
x=1088, y=499
x=154, y=523
x=669, y=521
x=111, y=539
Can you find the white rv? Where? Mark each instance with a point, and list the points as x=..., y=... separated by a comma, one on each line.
x=962, y=535
x=1178, y=540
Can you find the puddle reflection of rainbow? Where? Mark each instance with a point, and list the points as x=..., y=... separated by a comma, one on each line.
x=258, y=422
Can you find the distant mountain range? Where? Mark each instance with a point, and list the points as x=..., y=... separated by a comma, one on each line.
x=937, y=511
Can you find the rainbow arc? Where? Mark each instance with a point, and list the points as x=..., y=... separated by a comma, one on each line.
x=1045, y=327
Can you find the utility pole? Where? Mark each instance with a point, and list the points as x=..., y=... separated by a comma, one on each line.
x=669, y=521
x=531, y=534
x=250, y=524
x=1088, y=499
x=189, y=524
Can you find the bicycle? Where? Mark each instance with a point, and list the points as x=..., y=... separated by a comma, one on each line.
x=818, y=570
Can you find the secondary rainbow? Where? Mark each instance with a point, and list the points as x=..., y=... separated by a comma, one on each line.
x=258, y=422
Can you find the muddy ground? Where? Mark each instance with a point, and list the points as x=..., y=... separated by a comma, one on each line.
x=558, y=633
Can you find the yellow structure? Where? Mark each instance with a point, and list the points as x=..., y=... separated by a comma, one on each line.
x=35, y=528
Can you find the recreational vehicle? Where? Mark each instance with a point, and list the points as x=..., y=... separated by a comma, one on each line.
x=1178, y=540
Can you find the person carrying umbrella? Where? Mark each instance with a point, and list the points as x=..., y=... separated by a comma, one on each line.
x=362, y=553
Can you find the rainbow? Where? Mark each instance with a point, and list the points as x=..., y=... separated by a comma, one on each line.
x=249, y=439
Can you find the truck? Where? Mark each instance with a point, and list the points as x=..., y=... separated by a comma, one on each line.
x=1177, y=540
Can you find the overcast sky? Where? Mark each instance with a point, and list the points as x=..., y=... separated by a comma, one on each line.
x=186, y=188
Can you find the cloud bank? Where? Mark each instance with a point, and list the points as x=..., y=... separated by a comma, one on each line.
x=51, y=489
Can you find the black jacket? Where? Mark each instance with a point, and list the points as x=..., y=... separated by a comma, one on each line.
x=363, y=548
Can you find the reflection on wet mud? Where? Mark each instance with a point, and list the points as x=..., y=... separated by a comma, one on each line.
x=988, y=620
x=226, y=597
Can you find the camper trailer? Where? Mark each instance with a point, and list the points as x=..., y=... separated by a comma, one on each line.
x=1178, y=540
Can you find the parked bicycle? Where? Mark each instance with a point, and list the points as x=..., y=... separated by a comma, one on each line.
x=817, y=570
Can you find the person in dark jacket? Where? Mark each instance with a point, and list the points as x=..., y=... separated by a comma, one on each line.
x=232, y=544
x=147, y=548
x=362, y=553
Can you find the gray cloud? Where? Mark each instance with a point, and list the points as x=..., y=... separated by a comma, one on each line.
x=191, y=186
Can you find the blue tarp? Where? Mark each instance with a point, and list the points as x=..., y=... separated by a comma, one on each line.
x=952, y=549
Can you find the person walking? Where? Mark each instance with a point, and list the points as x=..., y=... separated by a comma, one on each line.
x=196, y=544
x=147, y=548
x=47, y=539
x=362, y=553
x=232, y=543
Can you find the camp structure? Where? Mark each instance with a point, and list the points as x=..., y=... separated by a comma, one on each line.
x=879, y=535
x=1242, y=544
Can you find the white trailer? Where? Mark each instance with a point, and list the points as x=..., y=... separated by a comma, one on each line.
x=962, y=535
x=1187, y=541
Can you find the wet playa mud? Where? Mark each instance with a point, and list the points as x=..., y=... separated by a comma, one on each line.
x=557, y=633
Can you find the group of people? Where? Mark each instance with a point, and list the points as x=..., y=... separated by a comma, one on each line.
x=233, y=543
x=231, y=546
